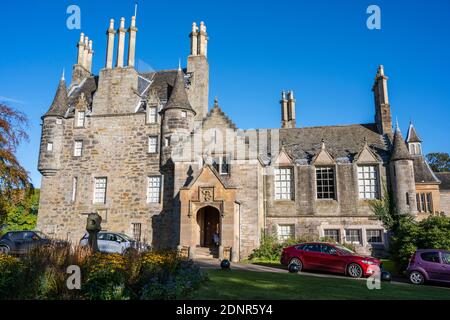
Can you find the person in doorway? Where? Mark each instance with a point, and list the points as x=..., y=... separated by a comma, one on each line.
x=216, y=239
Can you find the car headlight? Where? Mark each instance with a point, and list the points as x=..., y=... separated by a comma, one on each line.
x=367, y=262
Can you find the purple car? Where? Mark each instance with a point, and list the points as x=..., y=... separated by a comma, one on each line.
x=429, y=265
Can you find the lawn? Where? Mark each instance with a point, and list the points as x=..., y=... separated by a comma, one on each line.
x=241, y=285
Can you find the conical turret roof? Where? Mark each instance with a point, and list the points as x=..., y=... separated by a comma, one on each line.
x=59, y=104
x=178, y=98
x=399, y=151
x=412, y=136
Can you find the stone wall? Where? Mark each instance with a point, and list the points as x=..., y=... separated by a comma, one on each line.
x=115, y=147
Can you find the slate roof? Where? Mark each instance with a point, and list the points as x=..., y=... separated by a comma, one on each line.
x=444, y=177
x=178, y=97
x=412, y=136
x=399, y=150
x=340, y=141
x=162, y=83
x=422, y=171
x=59, y=104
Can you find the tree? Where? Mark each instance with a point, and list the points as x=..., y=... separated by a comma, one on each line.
x=13, y=176
x=408, y=235
x=439, y=161
x=22, y=215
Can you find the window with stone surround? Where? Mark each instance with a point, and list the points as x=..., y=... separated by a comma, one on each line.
x=100, y=185
x=78, y=148
x=368, y=182
x=424, y=202
x=152, y=115
x=353, y=235
x=283, y=184
x=50, y=147
x=325, y=183
x=80, y=118
x=334, y=234
x=153, y=144
x=74, y=188
x=154, y=189
x=374, y=236
x=286, y=232
x=137, y=231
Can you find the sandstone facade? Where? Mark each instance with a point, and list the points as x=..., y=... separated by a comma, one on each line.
x=142, y=150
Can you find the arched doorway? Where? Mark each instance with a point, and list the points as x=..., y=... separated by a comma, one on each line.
x=208, y=221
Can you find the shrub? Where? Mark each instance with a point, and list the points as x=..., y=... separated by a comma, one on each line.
x=41, y=274
x=11, y=277
x=105, y=277
x=166, y=285
x=270, y=247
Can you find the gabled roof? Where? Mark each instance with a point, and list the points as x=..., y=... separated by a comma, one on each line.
x=412, y=136
x=444, y=177
x=59, y=104
x=178, y=97
x=323, y=157
x=341, y=141
x=214, y=171
x=217, y=116
x=399, y=150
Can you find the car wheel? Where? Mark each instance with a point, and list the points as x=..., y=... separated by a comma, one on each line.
x=298, y=262
x=416, y=277
x=4, y=250
x=354, y=270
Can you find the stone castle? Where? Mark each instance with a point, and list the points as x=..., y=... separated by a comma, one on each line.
x=145, y=152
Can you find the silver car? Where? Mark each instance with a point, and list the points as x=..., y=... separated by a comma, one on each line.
x=111, y=242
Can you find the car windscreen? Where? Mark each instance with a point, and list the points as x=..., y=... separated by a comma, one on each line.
x=41, y=235
x=344, y=250
x=126, y=237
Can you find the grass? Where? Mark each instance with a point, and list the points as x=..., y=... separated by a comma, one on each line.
x=242, y=285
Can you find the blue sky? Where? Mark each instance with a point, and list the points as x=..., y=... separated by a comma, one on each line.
x=320, y=49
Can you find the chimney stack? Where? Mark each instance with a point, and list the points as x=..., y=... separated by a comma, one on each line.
x=202, y=40
x=288, y=110
x=383, y=117
x=110, y=45
x=121, y=44
x=132, y=42
x=90, y=55
x=86, y=52
x=80, y=49
x=194, y=39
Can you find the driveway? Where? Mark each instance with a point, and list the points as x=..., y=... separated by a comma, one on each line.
x=215, y=264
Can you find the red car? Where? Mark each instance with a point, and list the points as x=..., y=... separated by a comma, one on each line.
x=330, y=257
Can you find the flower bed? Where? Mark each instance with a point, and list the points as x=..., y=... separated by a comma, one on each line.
x=42, y=274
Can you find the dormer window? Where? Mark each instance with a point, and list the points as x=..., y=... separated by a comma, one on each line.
x=80, y=118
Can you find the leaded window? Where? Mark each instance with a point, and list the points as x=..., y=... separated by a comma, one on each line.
x=286, y=232
x=100, y=190
x=353, y=235
x=368, y=182
x=374, y=236
x=283, y=184
x=154, y=189
x=333, y=234
x=325, y=183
